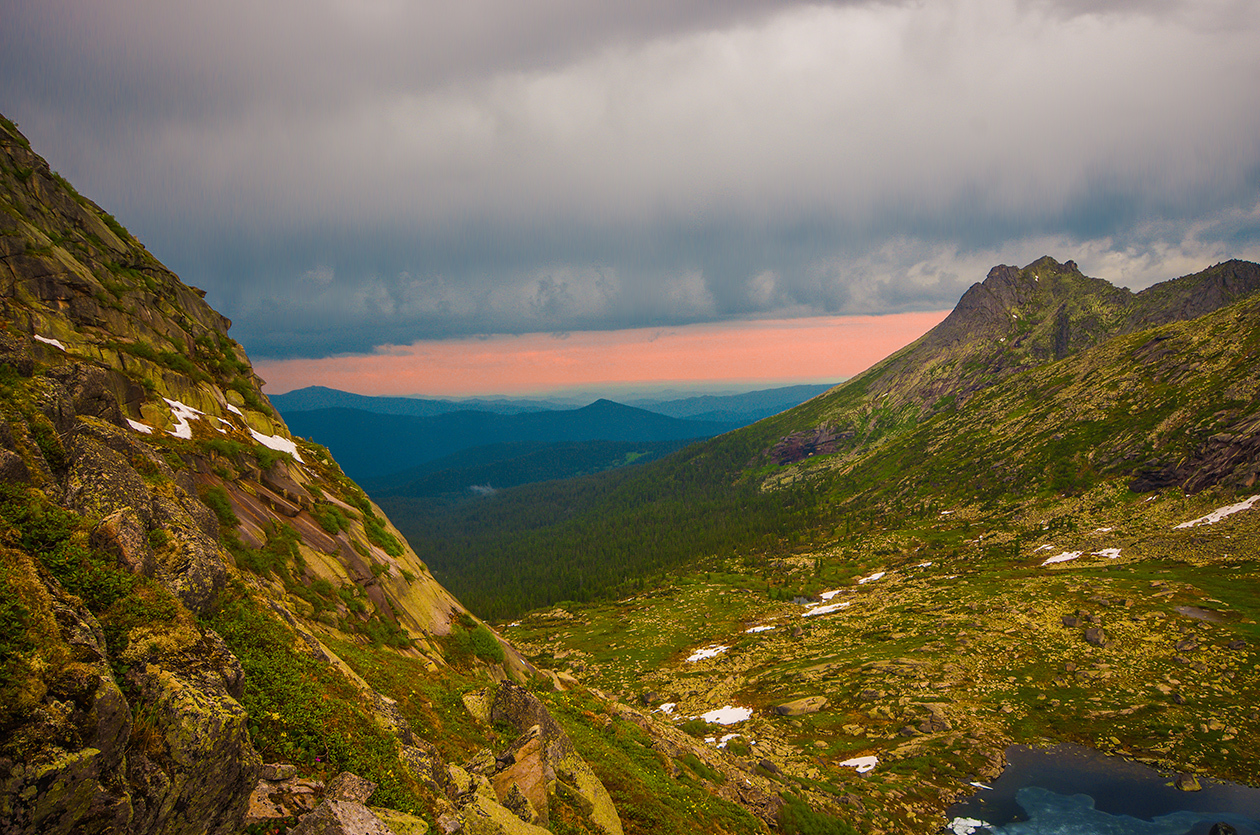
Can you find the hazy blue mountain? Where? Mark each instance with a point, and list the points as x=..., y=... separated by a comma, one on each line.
x=321, y=397
x=745, y=408
x=370, y=445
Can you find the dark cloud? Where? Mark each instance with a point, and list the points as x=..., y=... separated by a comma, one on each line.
x=339, y=175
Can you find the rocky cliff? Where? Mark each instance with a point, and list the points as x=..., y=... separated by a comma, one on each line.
x=187, y=590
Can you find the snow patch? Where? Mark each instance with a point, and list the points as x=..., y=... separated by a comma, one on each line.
x=667, y=708
x=727, y=715
x=1103, y=530
x=53, y=342
x=1220, y=513
x=1043, y=548
x=966, y=826
x=1066, y=556
x=826, y=610
x=753, y=629
x=721, y=743
x=706, y=652
x=1109, y=553
x=924, y=565
x=862, y=764
x=827, y=595
x=234, y=410
x=277, y=443
x=183, y=413
x=877, y=575
x=140, y=427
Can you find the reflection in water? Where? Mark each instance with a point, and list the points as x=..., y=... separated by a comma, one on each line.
x=1057, y=814
x=1071, y=790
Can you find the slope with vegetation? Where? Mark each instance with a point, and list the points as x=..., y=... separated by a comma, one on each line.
x=1039, y=522
x=188, y=591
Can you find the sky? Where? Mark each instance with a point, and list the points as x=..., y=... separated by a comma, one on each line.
x=356, y=184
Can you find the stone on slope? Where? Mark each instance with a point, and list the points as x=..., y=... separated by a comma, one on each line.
x=800, y=707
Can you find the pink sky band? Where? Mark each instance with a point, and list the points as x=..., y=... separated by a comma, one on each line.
x=771, y=352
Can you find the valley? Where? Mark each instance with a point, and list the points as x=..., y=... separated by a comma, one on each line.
x=1038, y=523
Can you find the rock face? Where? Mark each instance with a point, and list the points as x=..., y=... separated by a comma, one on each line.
x=544, y=757
x=144, y=479
x=64, y=770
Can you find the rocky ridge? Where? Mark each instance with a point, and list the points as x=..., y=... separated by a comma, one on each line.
x=186, y=587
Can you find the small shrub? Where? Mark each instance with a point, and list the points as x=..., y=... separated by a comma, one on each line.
x=159, y=538
x=797, y=818
x=216, y=498
x=330, y=517
x=49, y=444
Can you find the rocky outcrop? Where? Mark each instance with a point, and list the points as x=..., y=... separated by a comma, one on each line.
x=543, y=761
x=822, y=440
x=63, y=763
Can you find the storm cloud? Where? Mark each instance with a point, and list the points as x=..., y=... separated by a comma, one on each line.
x=343, y=175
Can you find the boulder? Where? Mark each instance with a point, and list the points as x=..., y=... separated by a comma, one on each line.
x=350, y=787
x=1187, y=783
x=1096, y=636
x=556, y=755
x=341, y=817
x=401, y=823
x=478, y=703
x=195, y=769
x=526, y=773
x=800, y=707
x=70, y=719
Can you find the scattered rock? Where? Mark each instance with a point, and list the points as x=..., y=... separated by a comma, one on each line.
x=800, y=707
x=277, y=771
x=349, y=787
x=1096, y=636
x=1188, y=783
x=1071, y=621
x=341, y=817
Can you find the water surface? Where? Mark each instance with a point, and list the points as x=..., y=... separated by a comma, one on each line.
x=1073, y=790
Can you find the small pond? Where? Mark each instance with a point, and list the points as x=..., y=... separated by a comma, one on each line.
x=1073, y=790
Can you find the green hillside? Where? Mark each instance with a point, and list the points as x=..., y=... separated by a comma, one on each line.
x=993, y=418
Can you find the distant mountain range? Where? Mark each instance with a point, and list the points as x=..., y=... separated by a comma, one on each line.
x=402, y=445
x=369, y=445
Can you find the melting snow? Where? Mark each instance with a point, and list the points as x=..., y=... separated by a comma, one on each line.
x=980, y=785
x=872, y=578
x=1103, y=530
x=862, y=764
x=53, y=342
x=1064, y=557
x=277, y=443
x=752, y=629
x=966, y=826
x=1109, y=553
x=925, y=565
x=182, y=413
x=721, y=743
x=667, y=708
x=707, y=652
x=727, y=715
x=827, y=595
x=825, y=610
x=1220, y=513
x=140, y=427
x=1043, y=548
x=234, y=410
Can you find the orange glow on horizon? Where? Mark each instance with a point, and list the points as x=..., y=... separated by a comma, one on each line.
x=773, y=352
